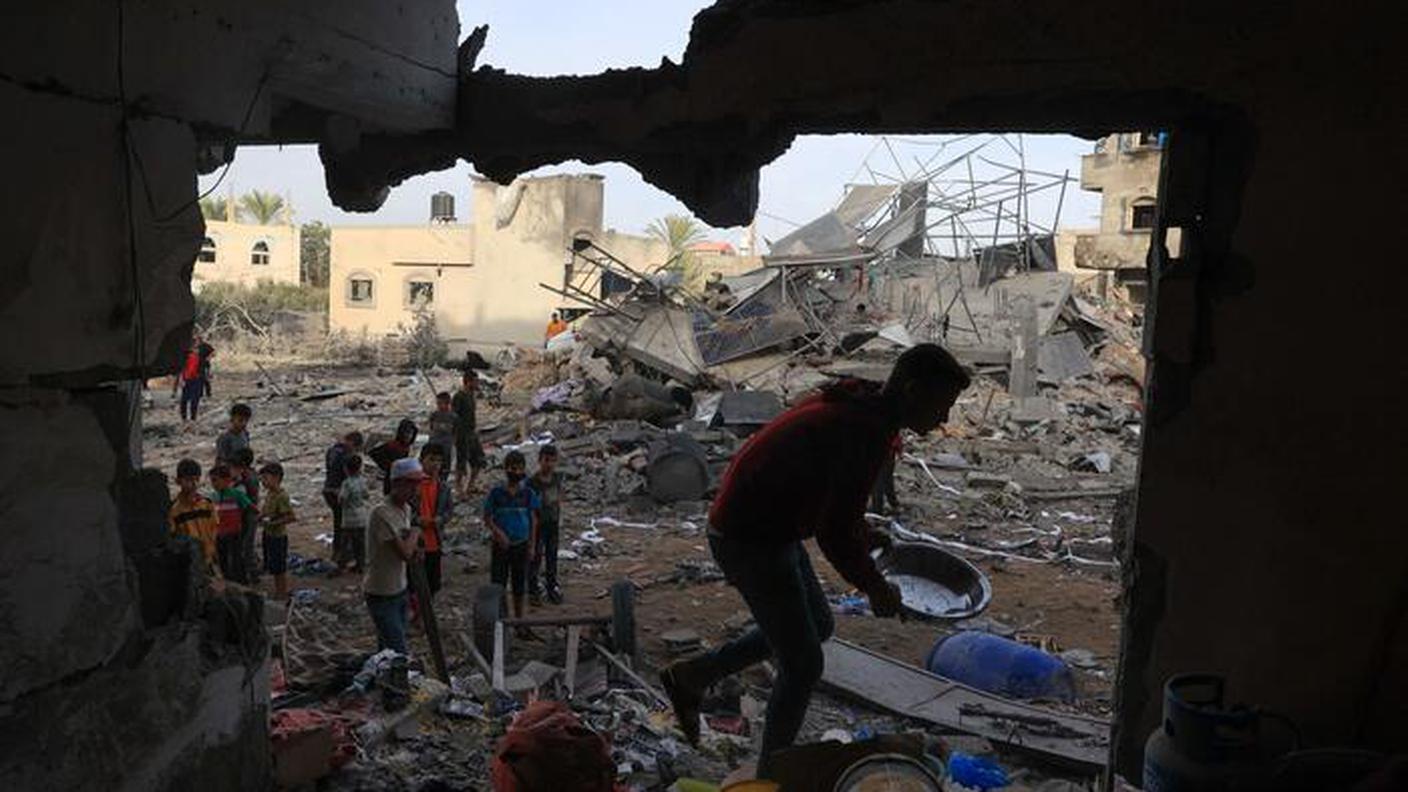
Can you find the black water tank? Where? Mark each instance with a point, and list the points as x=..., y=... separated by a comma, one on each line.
x=442, y=208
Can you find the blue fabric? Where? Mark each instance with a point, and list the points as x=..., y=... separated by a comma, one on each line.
x=389, y=616
x=512, y=512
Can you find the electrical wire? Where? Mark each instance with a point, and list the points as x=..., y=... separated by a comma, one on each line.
x=134, y=270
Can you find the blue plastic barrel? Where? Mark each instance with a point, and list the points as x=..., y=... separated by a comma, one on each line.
x=1002, y=666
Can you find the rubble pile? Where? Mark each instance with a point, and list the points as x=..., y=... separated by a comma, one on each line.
x=647, y=400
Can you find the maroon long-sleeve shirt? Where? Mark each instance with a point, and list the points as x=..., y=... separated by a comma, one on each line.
x=809, y=473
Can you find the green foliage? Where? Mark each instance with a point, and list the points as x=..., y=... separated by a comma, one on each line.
x=424, y=346
x=315, y=253
x=214, y=208
x=261, y=207
x=236, y=307
x=678, y=232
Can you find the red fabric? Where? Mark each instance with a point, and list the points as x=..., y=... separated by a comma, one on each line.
x=809, y=473
x=191, y=371
x=286, y=723
x=429, y=498
x=547, y=749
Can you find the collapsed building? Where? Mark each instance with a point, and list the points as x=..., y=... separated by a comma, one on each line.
x=1257, y=546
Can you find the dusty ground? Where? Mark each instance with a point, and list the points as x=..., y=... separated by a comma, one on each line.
x=1061, y=605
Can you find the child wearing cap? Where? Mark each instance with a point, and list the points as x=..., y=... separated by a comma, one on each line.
x=276, y=516
x=511, y=513
x=390, y=546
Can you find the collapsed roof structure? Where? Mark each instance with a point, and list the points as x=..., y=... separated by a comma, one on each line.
x=948, y=250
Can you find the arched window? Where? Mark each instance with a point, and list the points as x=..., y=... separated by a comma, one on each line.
x=1141, y=214
x=207, y=251
x=361, y=290
x=259, y=254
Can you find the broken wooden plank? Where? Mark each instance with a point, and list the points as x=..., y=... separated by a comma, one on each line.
x=915, y=693
x=630, y=674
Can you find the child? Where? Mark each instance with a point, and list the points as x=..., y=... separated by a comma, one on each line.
x=345, y=544
x=242, y=471
x=469, y=454
x=390, y=546
x=231, y=509
x=235, y=437
x=443, y=426
x=192, y=382
x=433, y=507
x=356, y=509
x=398, y=447
x=547, y=482
x=276, y=515
x=193, y=515
x=511, y=513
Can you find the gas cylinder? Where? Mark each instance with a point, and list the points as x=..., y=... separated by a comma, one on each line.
x=1202, y=744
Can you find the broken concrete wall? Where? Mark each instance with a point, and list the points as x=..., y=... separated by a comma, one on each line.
x=1262, y=549
x=123, y=670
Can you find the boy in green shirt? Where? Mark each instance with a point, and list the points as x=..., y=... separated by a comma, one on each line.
x=275, y=517
x=231, y=506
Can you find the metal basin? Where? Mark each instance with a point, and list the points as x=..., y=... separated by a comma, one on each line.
x=934, y=583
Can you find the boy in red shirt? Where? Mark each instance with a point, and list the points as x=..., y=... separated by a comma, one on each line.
x=433, y=507
x=232, y=508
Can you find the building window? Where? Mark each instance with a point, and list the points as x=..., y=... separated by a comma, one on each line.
x=359, y=290
x=259, y=254
x=1141, y=216
x=420, y=293
x=207, y=251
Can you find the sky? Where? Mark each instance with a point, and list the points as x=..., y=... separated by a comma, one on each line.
x=547, y=37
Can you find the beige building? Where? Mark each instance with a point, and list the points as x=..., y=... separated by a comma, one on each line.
x=1124, y=169
x=479, y=279
x=246, y=253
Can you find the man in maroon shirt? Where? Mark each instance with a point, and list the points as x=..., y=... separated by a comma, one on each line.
x=808, y=473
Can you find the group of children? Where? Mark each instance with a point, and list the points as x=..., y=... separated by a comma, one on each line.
x=378, y=541
x=224, y=526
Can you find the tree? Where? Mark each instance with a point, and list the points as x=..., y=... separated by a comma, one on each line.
x=263, y=207
x=315, y=253
x=214, y=208
x=678, y=232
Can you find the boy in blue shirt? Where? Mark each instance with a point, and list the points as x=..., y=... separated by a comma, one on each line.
x=511, y=513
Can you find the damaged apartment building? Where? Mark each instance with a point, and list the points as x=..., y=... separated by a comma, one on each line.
x=1261, y=543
